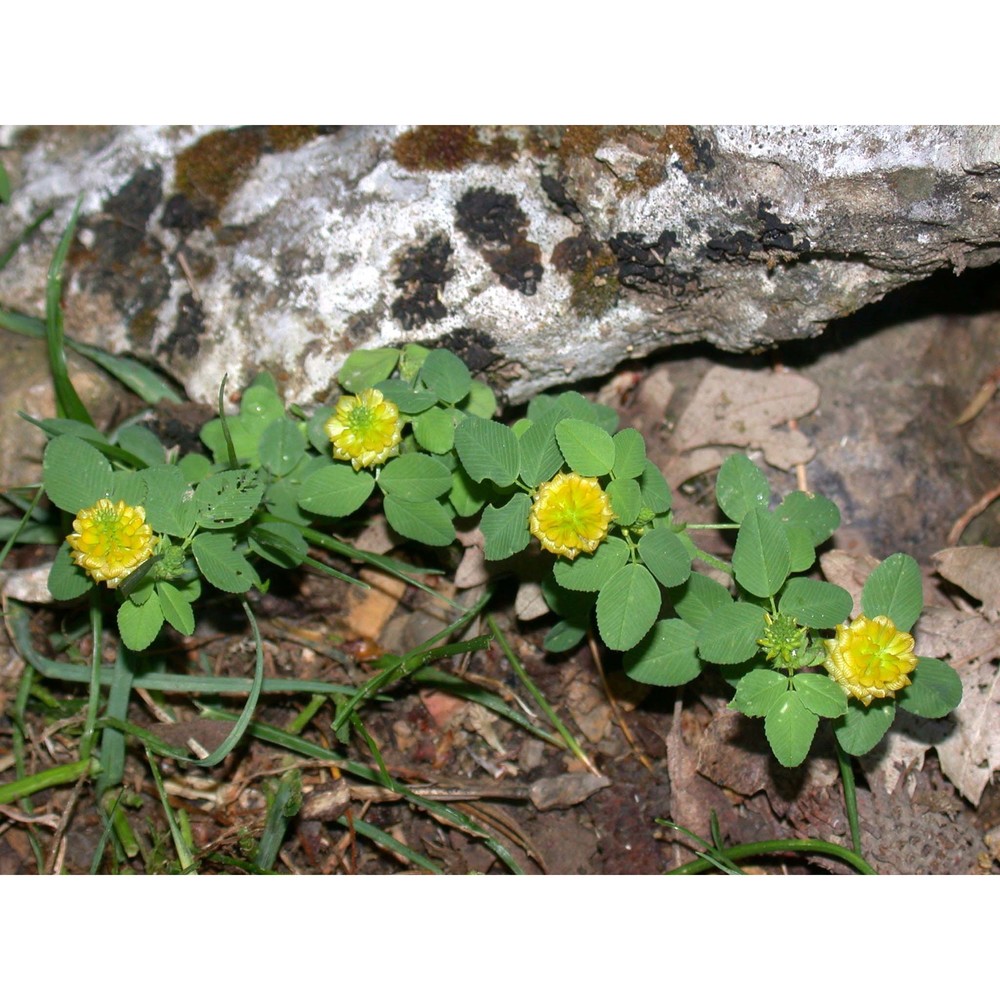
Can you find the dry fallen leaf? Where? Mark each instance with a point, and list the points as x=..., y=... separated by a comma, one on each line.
x=733, y=406
x=976, y=569
x=848, y=571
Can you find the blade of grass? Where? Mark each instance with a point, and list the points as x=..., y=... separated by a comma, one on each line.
x=286, y=802
x=61, y=774
x=20, y=706
x=536, y=693
x=94, y=693
x=389, y=843
x=312, y=751
x=134, y=375
x=68, y=403
x=230, y=447
x=25, y=235
x=762, y=847
x=20, y=527
x=154, y=680
x=459, y=688
x=184, y=858
x=112, y=754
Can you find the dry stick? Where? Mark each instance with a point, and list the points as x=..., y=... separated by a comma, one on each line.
x=973, y=511
x=613, y=702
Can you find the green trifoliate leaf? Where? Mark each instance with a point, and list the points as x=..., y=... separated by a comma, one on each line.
x=627, y=606
x=488, y=450
x=335, y=491
x=665, y=556
x=815, y=603
x=244, y=440
x=227, y=499
x=506, y=528
x=260, y=405
x=761, y=557
x=630, y=454
x=626, y=500
x=790, y=728
x=590, y=572
x=821, y=694
x=741, y=487
x=424, y=521
x=699, y=598
x=817, y=515
x=481, y=401
x=140, y=624
x=434, y=429
x=75, y=475
x=895, y=589
x=563, y=636
x=588, y=450
x=221, y=564
x=861, y=729
x=142, y=443
x=541, y=458
x=666, y=656
x=406, y=398
x=67, y=581
x=316, y=429
x=730, y=634
x=654, y=489
x=414, y=477
x=175, y=607
x=581, y=408
x=466, y=496
x=281, y=446
x=363, y=368
x=758, y=691
x=169, y=500
x=935, y=689
x=446, y=375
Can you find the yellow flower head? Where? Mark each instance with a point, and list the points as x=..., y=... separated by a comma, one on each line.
x=365, y=429
x=870, y=658
x=110, y=540
x=570, y=515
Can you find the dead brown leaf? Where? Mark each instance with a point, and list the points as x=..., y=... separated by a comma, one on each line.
x=750, y=409
x=849, y=571
x=976, y=569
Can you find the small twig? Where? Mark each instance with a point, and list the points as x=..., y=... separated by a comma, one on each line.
x=983, y=395
x=57, y=851
x=188, y=276
x=43, y=819
x=613, y=702
x=971, y=512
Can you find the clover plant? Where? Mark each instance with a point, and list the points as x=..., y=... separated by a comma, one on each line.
x=413, y=428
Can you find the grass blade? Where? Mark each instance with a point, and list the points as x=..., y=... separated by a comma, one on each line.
x=26, y=234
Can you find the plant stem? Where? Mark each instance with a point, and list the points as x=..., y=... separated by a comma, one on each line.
x=94, y=699
x=710, y=527
x=63, y=774
x=805, y=846
x=850, y=795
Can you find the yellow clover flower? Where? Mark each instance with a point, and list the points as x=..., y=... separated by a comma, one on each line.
x=870, y=658
x=365, y=429
x=110, y=540
x=570, y=515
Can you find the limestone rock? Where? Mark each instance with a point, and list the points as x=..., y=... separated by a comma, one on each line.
x=542, y=254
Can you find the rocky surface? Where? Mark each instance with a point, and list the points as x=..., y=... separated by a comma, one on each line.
x=542, y=254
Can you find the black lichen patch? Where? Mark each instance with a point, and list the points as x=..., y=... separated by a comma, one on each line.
x=208, y=172
x=185, y=338
x=773, y=241
x=555, y=189
x=451, y=147
x=593, y=273
x=495, y=224
x=423, y=273
x=121, y=260
x=642, y=263
x=475, y=348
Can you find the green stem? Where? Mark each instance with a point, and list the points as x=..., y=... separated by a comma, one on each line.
x=805, y=846
x=850, y=795
x=710, y=527
x=94, y=699
x=63, y=774
x=535, y=691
